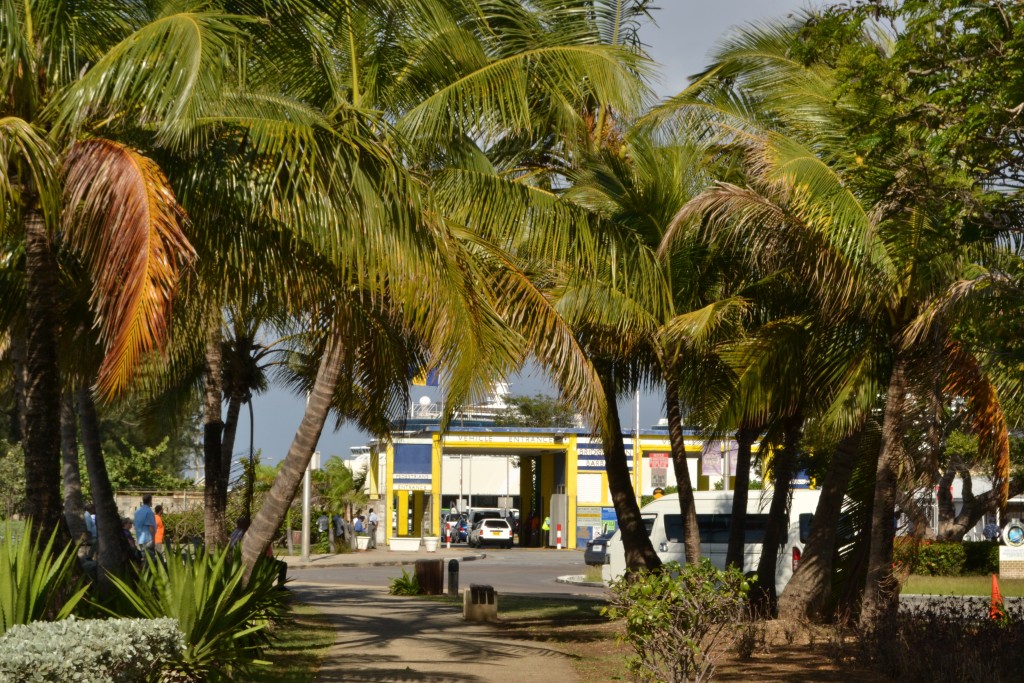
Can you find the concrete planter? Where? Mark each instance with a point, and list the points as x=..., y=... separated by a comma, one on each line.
x=362, y=542
x=404, y=544
x=431, y=543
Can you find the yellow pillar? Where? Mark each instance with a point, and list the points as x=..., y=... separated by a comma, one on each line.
x=389, y=488
x=403, y=513
x=525, y=487
x=436, y=450
x=571, y=471
x=417, y=513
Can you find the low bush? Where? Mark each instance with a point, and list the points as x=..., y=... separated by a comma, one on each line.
x=36, y=582
x=981, y=557
x=941, y=559
x=674, y=617
x=89, y=651
x=224, y=620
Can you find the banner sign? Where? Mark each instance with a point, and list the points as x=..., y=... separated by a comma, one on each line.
x=711, y=458
x=590, y=457
x=413, y=465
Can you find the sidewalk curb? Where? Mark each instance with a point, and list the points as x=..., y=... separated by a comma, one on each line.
x=576, y=580
x=376, y=563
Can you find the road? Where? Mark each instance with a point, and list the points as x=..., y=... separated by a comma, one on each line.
x=512, y=571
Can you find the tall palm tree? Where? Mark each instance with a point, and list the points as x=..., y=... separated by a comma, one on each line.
x=634, y=192
x=876, y=255
x=448, y=78
x=78, y=81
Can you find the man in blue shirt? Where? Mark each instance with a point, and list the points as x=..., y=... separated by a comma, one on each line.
x=145, y=524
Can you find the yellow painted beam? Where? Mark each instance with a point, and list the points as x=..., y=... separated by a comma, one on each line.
x=571, y=472
x=389, y=487
x=436, y=451
x=403, y=513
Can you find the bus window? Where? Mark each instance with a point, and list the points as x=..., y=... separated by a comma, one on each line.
x=805, y=526
x=649, y=523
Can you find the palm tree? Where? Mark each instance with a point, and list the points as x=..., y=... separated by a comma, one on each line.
x=448, y=78
x=634, y=192
x=78, y=81
x=855, y=241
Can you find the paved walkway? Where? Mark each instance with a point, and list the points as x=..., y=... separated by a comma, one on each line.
x=384, y=638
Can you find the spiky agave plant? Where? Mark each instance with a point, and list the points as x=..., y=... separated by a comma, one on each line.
x=225, y=619
x=36, y=582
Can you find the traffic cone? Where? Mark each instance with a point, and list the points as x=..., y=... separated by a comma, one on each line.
x=995, y=610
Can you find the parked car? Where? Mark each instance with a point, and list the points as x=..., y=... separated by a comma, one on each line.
x=492, y=532
x=597, y=549
x=457, y=525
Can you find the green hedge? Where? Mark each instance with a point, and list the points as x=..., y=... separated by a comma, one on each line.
x=947, y=558
x=89, y=651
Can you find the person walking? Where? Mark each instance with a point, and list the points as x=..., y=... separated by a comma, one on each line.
x=545, y=529
x=371, y=528
x=158, y=537
x=145, y=525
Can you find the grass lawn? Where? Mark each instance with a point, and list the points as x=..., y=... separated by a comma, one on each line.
x=575, y=627
x=962, y=585
x=300, y=644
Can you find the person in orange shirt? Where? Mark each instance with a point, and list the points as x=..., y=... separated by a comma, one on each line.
x=158, y=537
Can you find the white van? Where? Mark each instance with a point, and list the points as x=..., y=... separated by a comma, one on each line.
x=714, y=519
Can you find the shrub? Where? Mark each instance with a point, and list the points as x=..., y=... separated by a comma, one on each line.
x=90, y=651
x=941, y=559
x=675, y=616
x=406, y=584
x=981, y=557
x=35, y=582
x=182, y=527
x=223, y=619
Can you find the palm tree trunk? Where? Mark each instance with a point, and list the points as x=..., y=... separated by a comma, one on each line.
x=687, y=508
x=227, y=447
x=111, y=546
x=635, y=541
x=741, y=492
x=18, y=366
x=881, y=590
x=764, y=598
x=41, y=440
x=74, y=507
x=807, y=593
x=214, y=497
x=279, y=498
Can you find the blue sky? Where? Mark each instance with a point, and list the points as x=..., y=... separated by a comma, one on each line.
x=686, y=32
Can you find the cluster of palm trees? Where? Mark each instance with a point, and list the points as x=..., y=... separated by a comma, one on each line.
x=468, y=184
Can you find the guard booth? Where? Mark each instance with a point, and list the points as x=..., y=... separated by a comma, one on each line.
x=559, y=474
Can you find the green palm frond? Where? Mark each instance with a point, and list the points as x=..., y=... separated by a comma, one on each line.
x=166, y=71
x=26, y=161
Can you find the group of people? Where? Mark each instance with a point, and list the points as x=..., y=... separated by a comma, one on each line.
x=144, y=532
x=346, y=531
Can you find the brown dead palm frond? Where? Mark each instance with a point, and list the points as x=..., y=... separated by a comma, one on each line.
x=125, y=222
x=967, y=378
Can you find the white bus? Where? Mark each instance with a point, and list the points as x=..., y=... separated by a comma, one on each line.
x=664, y=525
